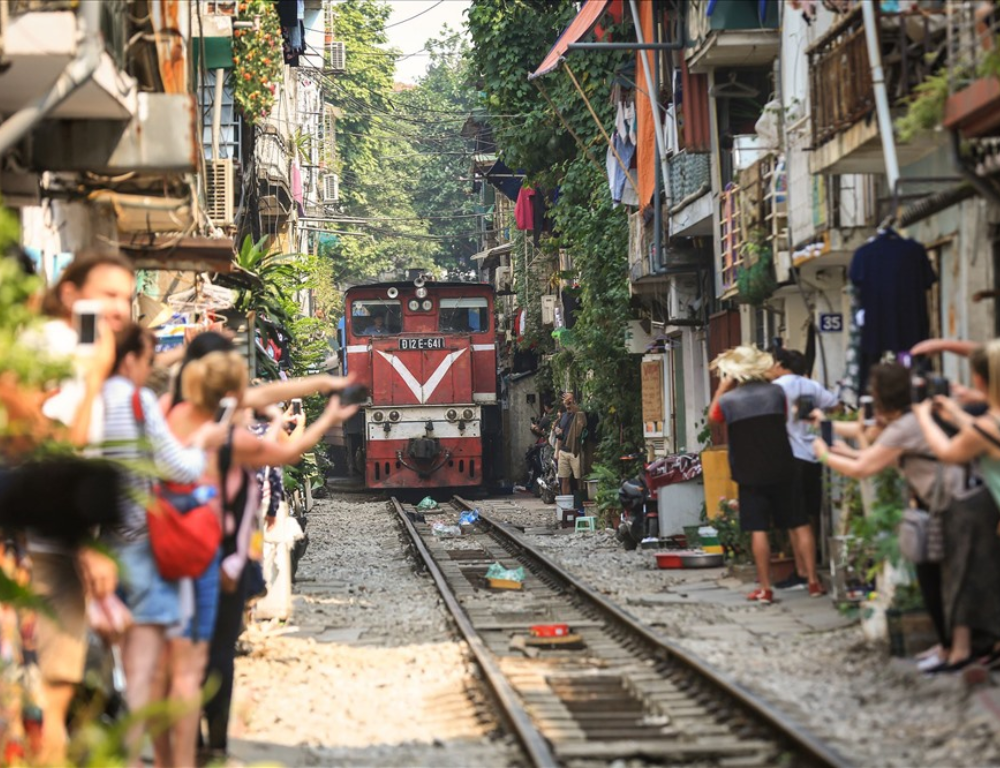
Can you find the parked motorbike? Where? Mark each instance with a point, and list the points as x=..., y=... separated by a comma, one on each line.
x=541, y=471
x=632, y=495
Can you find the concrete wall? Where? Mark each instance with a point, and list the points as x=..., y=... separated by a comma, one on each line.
x=523, y=402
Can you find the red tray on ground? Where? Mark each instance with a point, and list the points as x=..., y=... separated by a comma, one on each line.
x=687, y=559
x=550, y=630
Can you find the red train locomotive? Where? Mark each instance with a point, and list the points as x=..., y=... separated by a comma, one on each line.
x=427, y=353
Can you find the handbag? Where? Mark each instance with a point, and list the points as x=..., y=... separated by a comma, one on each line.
x=184, y=543
x=920, y=533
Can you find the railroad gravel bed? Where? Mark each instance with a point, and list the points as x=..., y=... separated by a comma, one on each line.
x=368, y=671
x=872, y=710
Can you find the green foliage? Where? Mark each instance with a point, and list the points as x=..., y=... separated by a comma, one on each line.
x=875, y=540
x=510, y=38
x=735, y=541
x=925, y=107
x=607, y=502
x=755, y=279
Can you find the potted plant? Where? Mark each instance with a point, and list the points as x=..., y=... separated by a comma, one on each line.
x=735, y=542
x=606, y=494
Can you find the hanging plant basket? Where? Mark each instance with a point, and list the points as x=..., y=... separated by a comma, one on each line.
x=257, y=60
x=756, y=281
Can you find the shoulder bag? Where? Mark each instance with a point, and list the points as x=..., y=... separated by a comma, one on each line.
x=920, y=532
x=183, y=543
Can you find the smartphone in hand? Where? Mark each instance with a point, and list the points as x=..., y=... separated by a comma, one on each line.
x=826, y=432
x=297, y=406
x=85, y=318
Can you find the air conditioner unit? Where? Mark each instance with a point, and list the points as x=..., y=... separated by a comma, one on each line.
x=336, y=56
x=502, y=279
x=331, y=188
x=549, y=309
x=219, y=191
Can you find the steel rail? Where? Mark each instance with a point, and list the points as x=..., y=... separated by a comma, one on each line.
x=665, y=649
x=535, y=745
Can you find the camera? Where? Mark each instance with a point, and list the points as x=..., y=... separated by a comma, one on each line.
x=354, y=394
x=929, y=385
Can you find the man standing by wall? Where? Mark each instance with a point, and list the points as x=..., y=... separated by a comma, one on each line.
x=802, y=395
x=760, y=457
x=569, y=448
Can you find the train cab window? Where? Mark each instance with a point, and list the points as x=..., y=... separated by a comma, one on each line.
x=376, y=318
x=469, y=315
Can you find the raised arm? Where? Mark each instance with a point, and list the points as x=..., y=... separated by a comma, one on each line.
x=274, y=392
x=252, y=452
x=866, y=463
x=933, y=346
x=964, y=447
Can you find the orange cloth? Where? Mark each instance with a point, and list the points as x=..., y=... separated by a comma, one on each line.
x=645, y=136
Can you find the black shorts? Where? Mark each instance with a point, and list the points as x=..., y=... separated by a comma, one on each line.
x=809, y=493
x=765, y=507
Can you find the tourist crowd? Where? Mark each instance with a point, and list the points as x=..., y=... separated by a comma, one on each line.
x=942, y=438
x=88, y=528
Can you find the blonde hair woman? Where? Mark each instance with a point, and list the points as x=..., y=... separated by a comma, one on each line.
x=204, y=384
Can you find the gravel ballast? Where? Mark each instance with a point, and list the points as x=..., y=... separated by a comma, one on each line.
x=368, y=671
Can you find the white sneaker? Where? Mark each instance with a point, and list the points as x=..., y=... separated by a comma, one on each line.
x=930, y=662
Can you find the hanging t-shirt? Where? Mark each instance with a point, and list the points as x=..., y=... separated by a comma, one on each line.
x=524, y=212
x=893, y=275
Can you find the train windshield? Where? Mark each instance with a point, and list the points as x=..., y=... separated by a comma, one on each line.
x=376, y=318
x=469, y=315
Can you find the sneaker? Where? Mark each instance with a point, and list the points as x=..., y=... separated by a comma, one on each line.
x=792, y=582
x=817, y=589
x=765, y=596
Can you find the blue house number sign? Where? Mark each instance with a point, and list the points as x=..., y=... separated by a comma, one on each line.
x=831, y=322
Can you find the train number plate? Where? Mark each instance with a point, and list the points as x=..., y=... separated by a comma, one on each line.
x=435, y=343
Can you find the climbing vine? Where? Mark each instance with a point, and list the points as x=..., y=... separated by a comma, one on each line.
x=511, y=37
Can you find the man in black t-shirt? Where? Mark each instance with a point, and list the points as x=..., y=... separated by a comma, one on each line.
x=760, y=455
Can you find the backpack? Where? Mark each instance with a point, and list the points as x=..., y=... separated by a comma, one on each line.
x=184, y=543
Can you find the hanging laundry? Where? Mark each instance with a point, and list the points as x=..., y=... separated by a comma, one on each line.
x=616, y=175
x=892, y=274
x=524, y=209
x=297, y=193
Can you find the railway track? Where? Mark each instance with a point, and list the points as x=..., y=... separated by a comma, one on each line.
x=620, y=692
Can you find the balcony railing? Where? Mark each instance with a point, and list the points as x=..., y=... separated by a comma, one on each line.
x=731, y=236
x=973, y=106
x=840, y=82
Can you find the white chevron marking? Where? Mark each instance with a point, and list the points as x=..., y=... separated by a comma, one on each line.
x=422, y=393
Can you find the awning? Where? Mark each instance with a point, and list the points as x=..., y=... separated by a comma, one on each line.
x=495, y=251
x=581, y=25
x=504, y=179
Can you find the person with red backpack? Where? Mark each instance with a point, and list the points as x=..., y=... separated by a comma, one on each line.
x=135, y=431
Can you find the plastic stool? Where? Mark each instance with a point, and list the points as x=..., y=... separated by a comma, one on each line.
x=585, y=523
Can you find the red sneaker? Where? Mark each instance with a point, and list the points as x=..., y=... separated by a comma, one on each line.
x=817, y=589
x=765, y=596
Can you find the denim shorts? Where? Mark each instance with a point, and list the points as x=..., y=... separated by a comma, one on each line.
x=151, y=598
x=200, y=623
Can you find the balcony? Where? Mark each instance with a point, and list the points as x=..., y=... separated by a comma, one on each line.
x=734, y=35
x=690, y=185
x=973, y=106
x=753, y=211
x=845, y=135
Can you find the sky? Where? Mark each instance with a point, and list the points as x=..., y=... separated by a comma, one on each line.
x=410, y=34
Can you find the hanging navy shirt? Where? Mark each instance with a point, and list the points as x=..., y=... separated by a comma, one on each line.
x=893, y=275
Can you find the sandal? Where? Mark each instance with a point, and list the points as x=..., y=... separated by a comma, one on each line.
x=946, y=667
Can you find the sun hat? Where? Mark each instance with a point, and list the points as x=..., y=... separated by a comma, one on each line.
x=743, y=363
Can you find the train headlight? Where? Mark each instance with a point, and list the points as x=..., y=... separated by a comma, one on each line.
x=467, y=414
x=427, y=305
x=421, y=292
x=414, y=305
x=452, y=414
x=393, y=415
x=378, y=416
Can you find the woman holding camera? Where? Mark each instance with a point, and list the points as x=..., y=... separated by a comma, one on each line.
x=973, y=580
x=900, y=443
